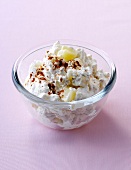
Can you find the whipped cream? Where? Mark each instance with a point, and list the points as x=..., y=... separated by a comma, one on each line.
x=65, y=74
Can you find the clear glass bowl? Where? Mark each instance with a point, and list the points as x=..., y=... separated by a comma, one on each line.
x=64, y=115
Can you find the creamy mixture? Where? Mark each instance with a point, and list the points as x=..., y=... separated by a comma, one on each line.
x=65, y=74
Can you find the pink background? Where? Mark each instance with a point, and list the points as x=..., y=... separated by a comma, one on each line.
x=105, y=143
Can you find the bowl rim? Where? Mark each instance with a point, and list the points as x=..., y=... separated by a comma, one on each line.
x=90, y=100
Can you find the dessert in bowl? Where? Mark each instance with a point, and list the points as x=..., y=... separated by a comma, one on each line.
x=64, y=84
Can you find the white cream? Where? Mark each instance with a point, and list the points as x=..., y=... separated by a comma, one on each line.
x=83, y=78
x=65, y=74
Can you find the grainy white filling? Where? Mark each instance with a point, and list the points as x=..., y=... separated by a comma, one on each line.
x=65, y=74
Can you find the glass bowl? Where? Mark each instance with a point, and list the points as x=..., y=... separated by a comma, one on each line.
x=63, y=115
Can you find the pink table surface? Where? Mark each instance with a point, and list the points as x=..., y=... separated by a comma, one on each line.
x=104, y=144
